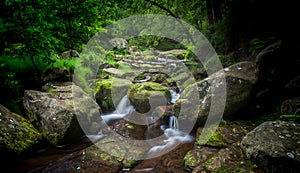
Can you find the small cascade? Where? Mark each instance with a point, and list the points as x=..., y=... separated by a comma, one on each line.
x=173, y=123
x=124, y=108
x=173, y=137
x=174, y=96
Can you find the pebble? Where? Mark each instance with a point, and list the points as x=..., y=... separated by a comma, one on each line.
x=291, y=155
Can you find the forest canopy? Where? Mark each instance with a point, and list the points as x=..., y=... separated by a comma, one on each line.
x=35, y=33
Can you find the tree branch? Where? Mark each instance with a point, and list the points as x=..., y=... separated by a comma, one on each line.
x=173, y=15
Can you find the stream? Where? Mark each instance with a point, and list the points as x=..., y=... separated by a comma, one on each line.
x=173, y=138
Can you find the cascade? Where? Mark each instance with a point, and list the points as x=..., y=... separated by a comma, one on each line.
x=123, y=108
x=173, y=123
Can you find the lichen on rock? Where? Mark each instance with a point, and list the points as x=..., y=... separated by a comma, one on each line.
x=17, y=133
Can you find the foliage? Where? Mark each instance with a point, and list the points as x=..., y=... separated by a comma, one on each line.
x=257, y=44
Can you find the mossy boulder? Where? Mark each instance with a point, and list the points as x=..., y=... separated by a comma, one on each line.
x=147, y=96
x=61, y=111
x=108, y=92
x=16, y=133
x=228, y=160
x=217, y=148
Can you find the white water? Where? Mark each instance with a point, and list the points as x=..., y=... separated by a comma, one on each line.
x=172, y=134
x=124, y=108
x=144, y=80
x=173, y=123
x=174, y=96
x=173, y=137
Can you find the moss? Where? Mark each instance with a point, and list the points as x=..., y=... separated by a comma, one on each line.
x=53, y=138
x=217, y=138
x=104, y=89
x=295, y=118
x=19, y=135
x=190, y=160
x=140, y=95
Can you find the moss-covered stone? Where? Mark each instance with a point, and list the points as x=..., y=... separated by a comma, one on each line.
x=224, y=135
x=146, y=96
x=228, y=160
x=61, y=114
x=104, y=89
x=17, y=134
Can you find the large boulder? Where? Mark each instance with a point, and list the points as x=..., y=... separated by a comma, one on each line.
x=58, y=110
x=109, y=92
x=222, y=152
x=278, y=63
x=57, y=74
x=16, y=133
x=274, y=146
x=240, y=82
x=147, y=96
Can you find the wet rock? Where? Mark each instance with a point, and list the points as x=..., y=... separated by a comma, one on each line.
x=170, y=162
x=108, y=92
x=58, y=110
x=16, y=133
x=147, y=96
x=274, y=146
x=240, y=81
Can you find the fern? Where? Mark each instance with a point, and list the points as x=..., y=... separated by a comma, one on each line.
x=258, y=44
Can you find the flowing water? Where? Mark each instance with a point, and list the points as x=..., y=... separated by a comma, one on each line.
x=170, y=130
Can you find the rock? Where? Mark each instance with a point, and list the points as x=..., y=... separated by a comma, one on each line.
x=16, y=133
x=113, y=71
x=119, y=43
x=240, y=81
x=147, y=96
x=278, y=63
x=96, y=159
x=178, y=53
x=133, y=49
x=293, y=87
x=291, y=106
x=108, y=92
x=274, y=146
x=58, y=110
x=69, y=54
x=231, y=160
x=56, y=74
x=225, y=135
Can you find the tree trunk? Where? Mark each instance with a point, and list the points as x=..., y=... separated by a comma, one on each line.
x=217, y=10
x=210, y=17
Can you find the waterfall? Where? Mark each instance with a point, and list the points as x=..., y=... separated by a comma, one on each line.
x=173, y=123
x=174, y=96
x=123, y=108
